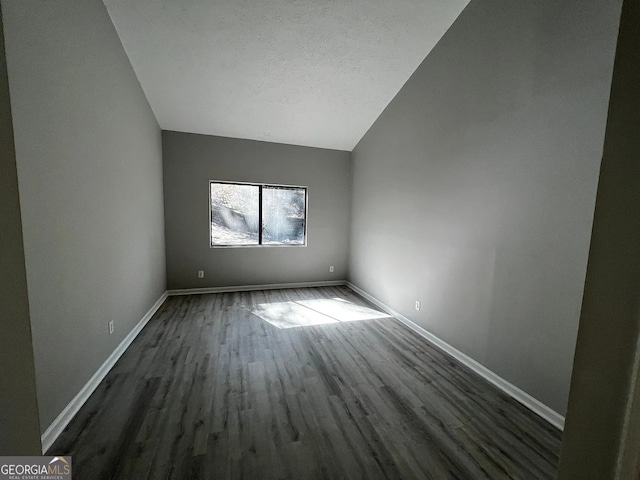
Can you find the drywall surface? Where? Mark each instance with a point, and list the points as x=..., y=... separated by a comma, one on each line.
x=314, y=73
x=474, y=190
x=595, y=442
x=191, y=161
x=19, y=429
x=89, y=162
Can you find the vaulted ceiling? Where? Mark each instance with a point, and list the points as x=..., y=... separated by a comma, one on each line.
x=304, y=72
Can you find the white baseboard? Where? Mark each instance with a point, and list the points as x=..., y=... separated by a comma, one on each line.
x=521, y=396
x=59, y=424
x=248, y=288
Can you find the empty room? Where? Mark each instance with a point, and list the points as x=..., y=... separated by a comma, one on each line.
x=307, y=239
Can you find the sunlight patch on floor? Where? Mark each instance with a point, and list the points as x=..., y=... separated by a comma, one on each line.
x=304, y=313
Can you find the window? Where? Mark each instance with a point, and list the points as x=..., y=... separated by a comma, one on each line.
x=247, y=214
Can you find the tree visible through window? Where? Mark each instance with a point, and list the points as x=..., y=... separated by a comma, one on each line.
x=245, y=214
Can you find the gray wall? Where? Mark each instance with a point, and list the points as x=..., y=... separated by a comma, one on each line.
x=190, y=161
x=19, y=429
x=606, y=350
x=474, y=190
x=89, y=162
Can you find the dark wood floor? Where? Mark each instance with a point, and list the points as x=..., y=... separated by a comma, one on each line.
x=211, y=388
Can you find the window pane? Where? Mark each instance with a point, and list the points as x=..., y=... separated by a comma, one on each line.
x=234, y=214
x=283, y=215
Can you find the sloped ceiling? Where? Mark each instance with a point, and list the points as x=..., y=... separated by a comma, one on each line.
x=303, y=72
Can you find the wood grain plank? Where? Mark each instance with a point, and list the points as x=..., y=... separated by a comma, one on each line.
x=211, y=390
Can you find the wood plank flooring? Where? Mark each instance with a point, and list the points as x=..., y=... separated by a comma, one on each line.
x=217, y=387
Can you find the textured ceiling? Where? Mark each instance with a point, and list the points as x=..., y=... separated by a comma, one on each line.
x=304, y=72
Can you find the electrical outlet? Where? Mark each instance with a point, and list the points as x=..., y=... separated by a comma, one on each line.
x=111, y=327
x=418, y=305
x=331, y=269
x=200, y=273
